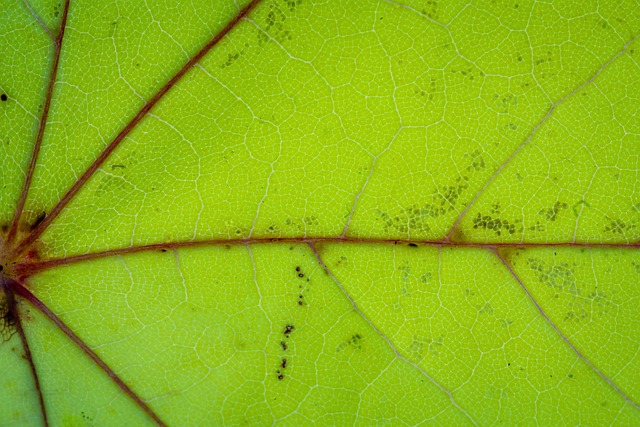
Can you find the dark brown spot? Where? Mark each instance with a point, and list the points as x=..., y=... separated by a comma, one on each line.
x=38, y=220
x=283, y=345
x=288, y=329
x=4, y=97
x=413, y=245
x=7, y=322
x=298, y=269
x=284, y=363
x=280, y=376
x=300, y=275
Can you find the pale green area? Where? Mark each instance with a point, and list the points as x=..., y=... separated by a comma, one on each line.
x=76, y=393
x=116, y=55
x=25, y=54
x=21, y=406
x=213, y=322
x=461, y=316
x=588, y=295
x=310, y=116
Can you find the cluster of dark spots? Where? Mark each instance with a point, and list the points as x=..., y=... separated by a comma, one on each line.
x=487, y=222
x=552, y=213
x=468, y=72
x=505, y=103
x=356, y=341
x=291, y=4
x=275, y=25
x=418, y=217
x=542, y=60
x=558, y=276
x=273, y=229
x=300, y=275
x=4, y=97
x=283, y=365
x=581, y=303
x=477, y=162
x=288, y=329
x=617, y=226
x=536, y=227
x=430, y=10
x=231, y=58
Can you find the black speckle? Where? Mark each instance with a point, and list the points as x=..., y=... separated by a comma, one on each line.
x=284, y=363
x=288, y=329
x=4, y=97
x=163, y=250
x=38, y=220
x=300, y=275
x=413, y=245
x=298, y=269
x=280, y=376
x=283, y=345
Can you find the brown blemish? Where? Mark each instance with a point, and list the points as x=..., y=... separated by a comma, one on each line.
x=288, y=329
x=7, y=322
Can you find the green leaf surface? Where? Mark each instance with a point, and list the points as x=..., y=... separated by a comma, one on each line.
x=334, y=212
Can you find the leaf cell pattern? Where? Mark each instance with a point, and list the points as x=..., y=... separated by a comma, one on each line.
x=294, y=212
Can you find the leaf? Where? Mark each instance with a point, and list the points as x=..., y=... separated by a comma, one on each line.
x=334, y=212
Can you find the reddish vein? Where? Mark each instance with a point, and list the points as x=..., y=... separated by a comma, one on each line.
x=64, y=201
x=534, y=131
x=560, y=334
x=9, y=285
x=57, y=49
x=26, y=294
x=379, y=332
x=29, y=268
